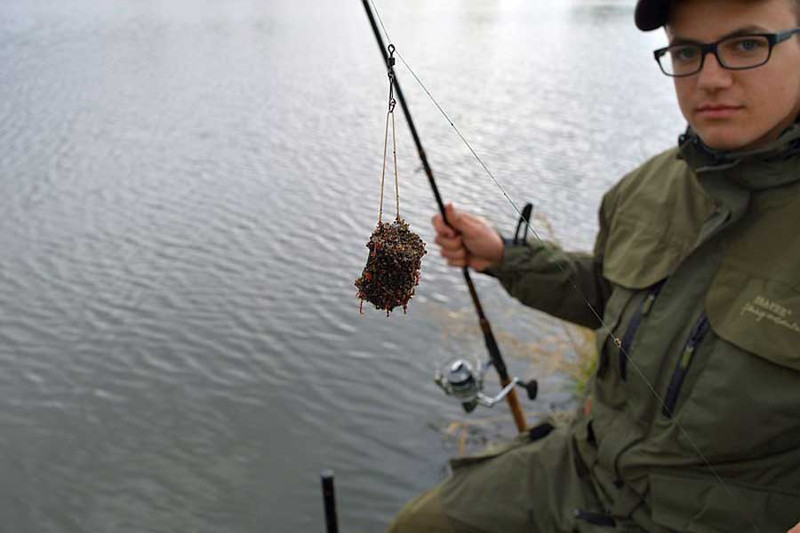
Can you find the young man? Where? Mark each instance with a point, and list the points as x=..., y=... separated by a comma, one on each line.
x=693, y=420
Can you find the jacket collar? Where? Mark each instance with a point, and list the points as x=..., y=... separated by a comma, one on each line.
x=773, y=165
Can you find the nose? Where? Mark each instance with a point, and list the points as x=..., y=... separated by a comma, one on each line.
x=713, y=75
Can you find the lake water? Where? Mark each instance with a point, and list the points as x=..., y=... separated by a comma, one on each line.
x=186, y=189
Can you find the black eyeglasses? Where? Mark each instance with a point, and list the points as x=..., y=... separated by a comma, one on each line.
x=740, y=52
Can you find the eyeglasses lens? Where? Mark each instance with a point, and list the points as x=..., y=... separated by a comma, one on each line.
x=740, y=52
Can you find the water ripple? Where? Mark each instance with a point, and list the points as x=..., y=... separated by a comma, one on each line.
x=185, y=195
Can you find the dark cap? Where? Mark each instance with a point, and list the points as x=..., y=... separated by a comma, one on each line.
x=651, y=14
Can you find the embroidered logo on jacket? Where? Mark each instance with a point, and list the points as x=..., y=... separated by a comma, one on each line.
x=764, y=308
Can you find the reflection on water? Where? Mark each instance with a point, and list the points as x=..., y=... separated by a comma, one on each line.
x=185, y=194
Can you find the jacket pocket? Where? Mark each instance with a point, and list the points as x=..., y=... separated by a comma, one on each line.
x=684, y=363
x=607, y=385
x=705, y=505
x=760, y=315
x=606, y=335
x=642, y=310
x=625, y=313
x=637, y=254
x=739, y=397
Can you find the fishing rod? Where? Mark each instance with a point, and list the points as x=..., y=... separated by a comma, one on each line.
x=524, y=219
x=459, y=379
x=329, y=502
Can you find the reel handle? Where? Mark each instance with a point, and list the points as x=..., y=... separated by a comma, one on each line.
x=531, y=387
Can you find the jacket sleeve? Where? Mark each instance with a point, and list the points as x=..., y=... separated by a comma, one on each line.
x=567, y=285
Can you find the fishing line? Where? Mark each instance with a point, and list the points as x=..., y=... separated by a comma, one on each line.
x=390, y=113
x=604, y=326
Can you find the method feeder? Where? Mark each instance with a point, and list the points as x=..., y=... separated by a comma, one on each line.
x=460, y=380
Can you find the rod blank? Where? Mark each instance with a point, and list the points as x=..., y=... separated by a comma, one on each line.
x=329, y=498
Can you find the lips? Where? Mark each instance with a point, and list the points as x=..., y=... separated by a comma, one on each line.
x=717, y=110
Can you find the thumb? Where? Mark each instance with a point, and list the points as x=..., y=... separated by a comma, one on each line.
x=453, y=217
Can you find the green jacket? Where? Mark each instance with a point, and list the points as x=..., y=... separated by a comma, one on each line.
x=693, y=421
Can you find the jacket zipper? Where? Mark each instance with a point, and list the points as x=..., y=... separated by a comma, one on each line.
x=682, y=368
x=633, y=327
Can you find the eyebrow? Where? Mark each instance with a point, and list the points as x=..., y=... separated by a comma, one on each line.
x=745, y=30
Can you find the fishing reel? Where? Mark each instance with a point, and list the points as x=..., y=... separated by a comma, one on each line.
x=464, y=382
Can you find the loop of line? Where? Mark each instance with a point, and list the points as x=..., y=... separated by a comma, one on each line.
x=390, y=113
x=383, y=170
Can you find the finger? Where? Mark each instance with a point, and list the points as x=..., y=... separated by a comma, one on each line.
x=450, y=244
x=460, y=253
x=465, y=223
x=457, y=262
x=442, y=228
x=471, y=223
x=453, y=216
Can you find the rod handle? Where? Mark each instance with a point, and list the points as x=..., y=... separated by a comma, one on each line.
x=516, y=409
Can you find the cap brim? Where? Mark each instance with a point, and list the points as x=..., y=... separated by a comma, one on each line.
x=651, y=14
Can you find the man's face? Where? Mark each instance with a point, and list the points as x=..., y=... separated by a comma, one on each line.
x=736, y=110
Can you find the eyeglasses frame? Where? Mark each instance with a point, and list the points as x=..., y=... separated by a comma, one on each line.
x=711, y=48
